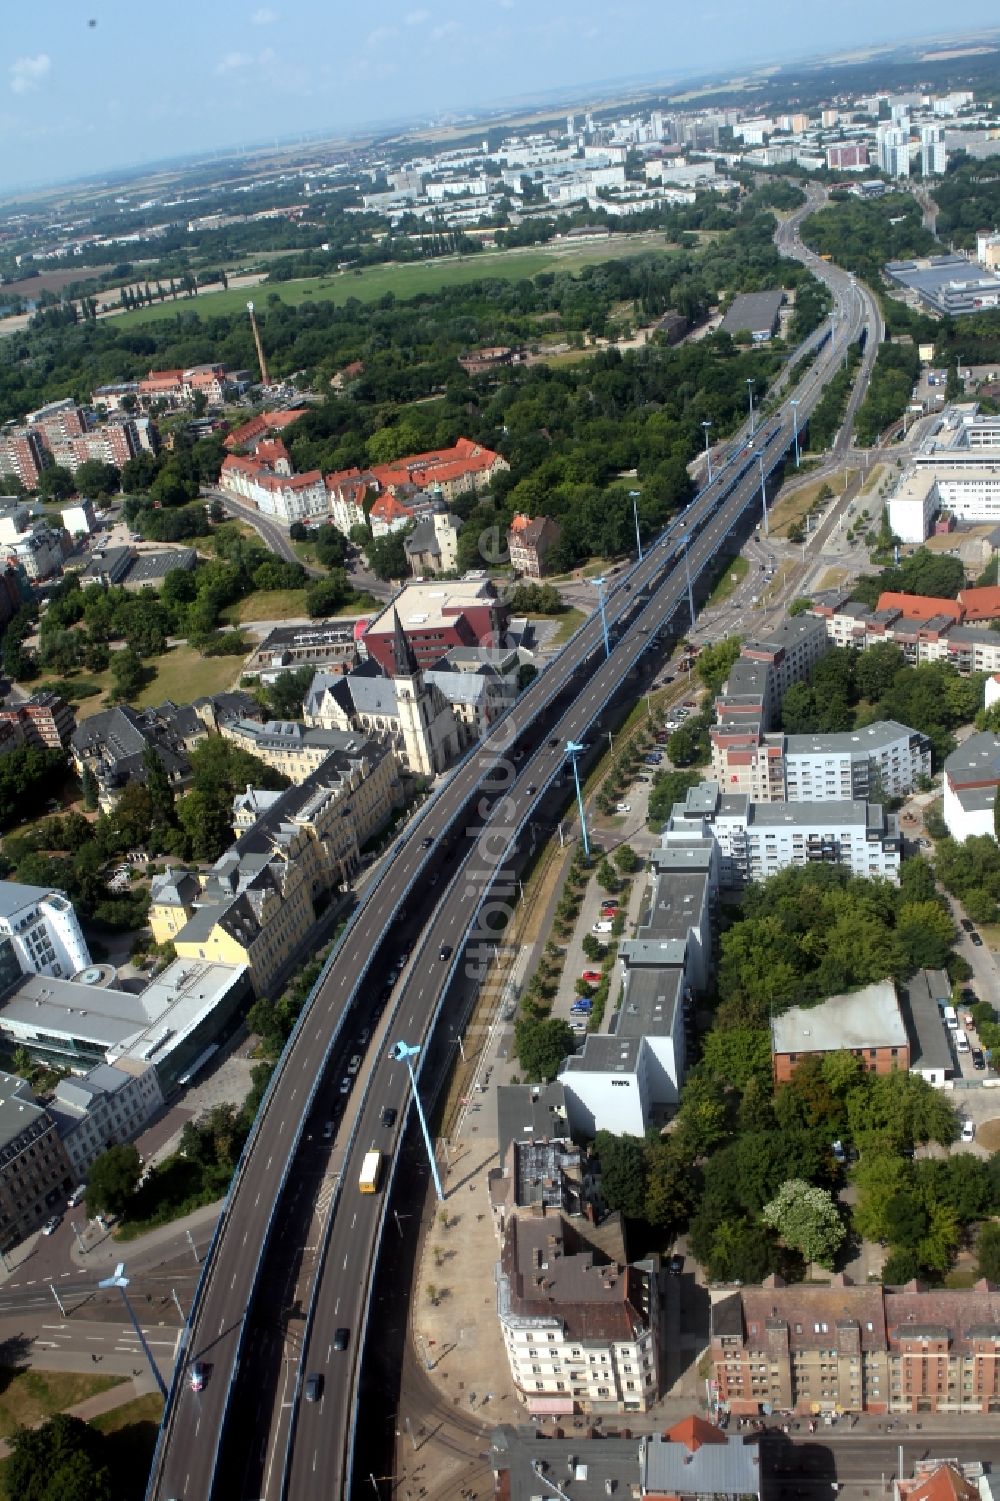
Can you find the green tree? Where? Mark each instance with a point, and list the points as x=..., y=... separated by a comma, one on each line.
x=715, y=660
x=157, y=784
x=807, y=1219
x=94, y=477
x=88, y=784
x=623, y=1172
x=736, y=1056
x=55, y=483
x=325, y=596
x=63, y=1460
x=626, y=859
x=387, y=555
x=607, y=879
x=988, y=1251
x=128, y=675
x=668, y=787
x=541, y=1046
x=112, y=1180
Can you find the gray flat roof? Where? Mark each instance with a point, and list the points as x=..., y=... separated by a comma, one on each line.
x=929, y=1046
x=862, y=1019
x=14, y=897
x=755, y=311
x=977, y=760
x=682, y=856
x=604, y=1054
x=530, y=1112
x=871, y=737
x=153, y=567
x=597, y=1464
x=646, y=952
x=650, y=1005
x=16, y=1115
x=833, y=814
x=726, y=1466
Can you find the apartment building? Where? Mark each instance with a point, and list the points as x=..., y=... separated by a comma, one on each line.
x=58, y=421
x=971, y=785
x=112, y=443
x=23, y=454
x=39, y=553
x=580, y=1325
x=35, y=1172
x=882, y=759
x=692, y=1461
x=43, y=720
x=529, y=541
x=629, y=1078
x=857, y=1349
x=756, y=840
x=867, y=1023
x=109, y=1105
x=267, y=482
x=43, y=930
x=111, y=745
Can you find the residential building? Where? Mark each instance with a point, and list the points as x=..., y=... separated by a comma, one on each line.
x=971, y=782
x=347, y=494
x=691, y=1461
x=148, y=570
x=114, y=442
x=174, y=1024
x=39, y=553
x=539, y=1175
x=755, y=313
x=980, y=604
x=529, y=540
x=530, y=1112
x=267, y=482
x=44, y=720
x=867, y=1023
x=436, y=617
x=920, y=606
x=757, y=839
x=630, y=1078
x=43, y=930
x=933, y=151
x=449, y=472
x=263, y=426
x=22, y=453
x=852, y=156
x=944, y=1480
x=111, y=745
x=432, y=546
x=873, y=1349
x=580, y=1325
x=884, y=759
x=58, y=421
x=35, y=1172
x=105, y=1107
x=893, y=144
x=485, y=361
x=79, y=519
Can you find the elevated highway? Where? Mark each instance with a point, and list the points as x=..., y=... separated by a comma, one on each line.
x=461, y=845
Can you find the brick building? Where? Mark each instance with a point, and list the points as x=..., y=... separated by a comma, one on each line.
x=837, y=1348
x=867, y=1023
x=436, y=617
x=44, y=720
x=35, y=1172
x=23, y=454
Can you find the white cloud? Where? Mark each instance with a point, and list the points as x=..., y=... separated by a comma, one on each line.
x=506, y=4
x=380, y=36
x=264, y=16
x=417, y=17
x=234, y=61
x=442, y=33
x=29, y=73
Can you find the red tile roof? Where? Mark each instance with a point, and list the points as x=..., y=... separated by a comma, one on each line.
x=387, y=508
x=257, y=427
x=944, y=1484
x=980, y=604
x=919, y=606
x=693, y=1432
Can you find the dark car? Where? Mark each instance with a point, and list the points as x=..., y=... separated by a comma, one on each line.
x=445, y=951
x=675, y=1265
x=389, y=1115
x=341, y=1339
x=554, y=741
x=967, y=925
x=313, y=1387
x=532, y=789
x=978, y=1060
x=975, y=940
x=425, y=844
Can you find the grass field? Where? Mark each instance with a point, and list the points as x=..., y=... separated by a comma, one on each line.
x=833, y=578
x=406, y=280
x=183, y=674
x=267, y=604
x=793, y=507
x=734, y=575
x=28, y=1397
x=568, y=623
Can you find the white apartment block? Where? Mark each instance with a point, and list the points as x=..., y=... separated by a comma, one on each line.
x=756, y=840
x=43, y=930
x=912, y=506
x=581, y=1331
x=885, y=759
x=106, y=1107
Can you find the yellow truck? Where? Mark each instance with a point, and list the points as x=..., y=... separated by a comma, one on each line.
x=371, y=1171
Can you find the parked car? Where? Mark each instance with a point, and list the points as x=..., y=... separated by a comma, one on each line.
x=592, y=976
x=623, y=807
x=676, y=1264
x=968, y=1130
x=975, y=940
x=967, y=925
x=978, y=1058
x=51, y=1225
x=602, y=927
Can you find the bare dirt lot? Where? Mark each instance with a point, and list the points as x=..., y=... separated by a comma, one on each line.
x=53, y=281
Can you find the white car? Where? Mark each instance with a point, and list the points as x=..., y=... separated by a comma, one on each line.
x=968, y=1130
x=602, y=927
x=623, y=807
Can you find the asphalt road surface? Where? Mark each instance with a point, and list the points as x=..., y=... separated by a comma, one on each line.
x=563, y=703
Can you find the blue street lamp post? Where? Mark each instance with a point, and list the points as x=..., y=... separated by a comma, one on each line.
x=763, y=491
x=119, y=1280
x=750, y=385
x=573, y=749
x=634, y=497
x=687, y=575
x=794, y=403
x=708, y=451
x=599, y=586
x=402, y=1052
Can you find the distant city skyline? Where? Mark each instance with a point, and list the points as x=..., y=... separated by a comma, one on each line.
x=102, y=86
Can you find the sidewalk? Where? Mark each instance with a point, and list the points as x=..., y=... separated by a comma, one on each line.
x=109, y=1401
x=102, y=1250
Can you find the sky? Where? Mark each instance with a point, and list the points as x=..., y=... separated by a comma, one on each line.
x=148, y=82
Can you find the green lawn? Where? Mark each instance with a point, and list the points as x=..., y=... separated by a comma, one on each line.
x=568, y=622
x=267, y=604
x=28, y=1397
x=183, y=675
x=406, y=280
x=131, y=1430
x=735, y=573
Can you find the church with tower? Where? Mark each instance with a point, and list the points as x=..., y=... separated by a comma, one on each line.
x=398, y=705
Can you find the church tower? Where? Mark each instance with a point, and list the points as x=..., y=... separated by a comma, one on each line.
x=413, y=706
